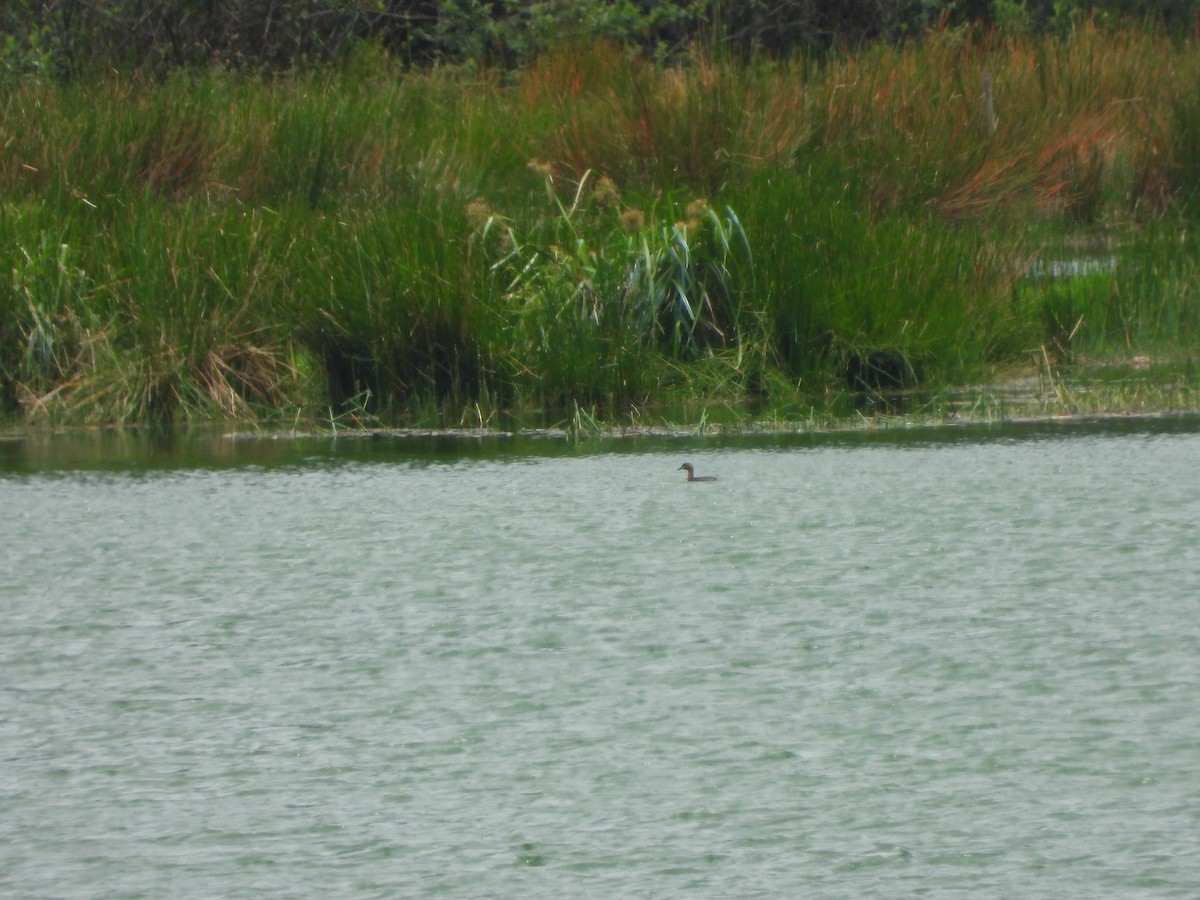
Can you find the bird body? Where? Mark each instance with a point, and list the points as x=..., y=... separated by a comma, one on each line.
x=692, y=476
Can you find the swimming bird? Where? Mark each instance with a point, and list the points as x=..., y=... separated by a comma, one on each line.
x=692, y=476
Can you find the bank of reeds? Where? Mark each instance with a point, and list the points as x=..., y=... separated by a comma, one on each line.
x=596, y=231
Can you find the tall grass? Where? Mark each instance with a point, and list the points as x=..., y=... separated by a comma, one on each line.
x=596, y=231
x=383, y=300
x=180, y=318
x=1139, y=299
x=935, y=296
x=594, y=298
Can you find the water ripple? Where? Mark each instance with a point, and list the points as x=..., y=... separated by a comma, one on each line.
x=965, y=668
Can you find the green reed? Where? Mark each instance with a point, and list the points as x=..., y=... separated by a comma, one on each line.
x=1133, y=299
x=40, y=312
x=936, y=295
x=592, y=232
x=383, y=300
x=184, y=321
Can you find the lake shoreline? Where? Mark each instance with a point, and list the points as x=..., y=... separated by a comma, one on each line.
x=734, y=239
x=1011, y=403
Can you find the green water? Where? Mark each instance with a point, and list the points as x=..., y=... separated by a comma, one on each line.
x=943, y=663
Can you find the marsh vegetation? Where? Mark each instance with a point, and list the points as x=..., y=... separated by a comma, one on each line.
x=601, y=233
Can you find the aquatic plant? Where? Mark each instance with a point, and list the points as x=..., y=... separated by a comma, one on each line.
x=41, y=334
x=364, y=242
x=1136, y=297
x=595, y=292
x=841, y=289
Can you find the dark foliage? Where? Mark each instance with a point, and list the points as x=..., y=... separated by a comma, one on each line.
x=71, y=38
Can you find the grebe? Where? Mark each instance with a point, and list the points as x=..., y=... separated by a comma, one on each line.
x=692, y=476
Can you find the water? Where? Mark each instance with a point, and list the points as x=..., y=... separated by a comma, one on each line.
x=940, y=663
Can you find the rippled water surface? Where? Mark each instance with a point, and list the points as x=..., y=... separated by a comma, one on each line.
x=944, y=663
